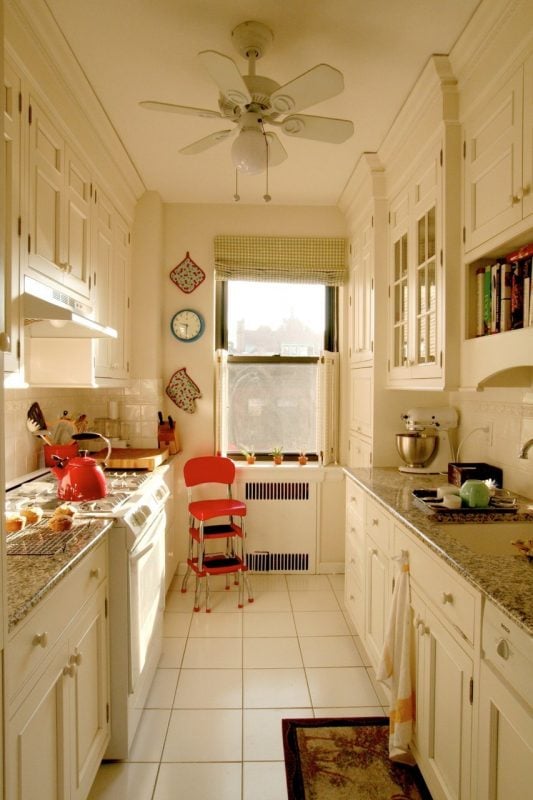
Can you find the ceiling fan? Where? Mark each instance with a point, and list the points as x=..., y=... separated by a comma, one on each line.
x=251, y=101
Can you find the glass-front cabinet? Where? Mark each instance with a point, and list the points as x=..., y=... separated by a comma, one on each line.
x=415, y=278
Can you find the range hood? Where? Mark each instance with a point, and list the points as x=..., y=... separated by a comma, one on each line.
x=51, y=313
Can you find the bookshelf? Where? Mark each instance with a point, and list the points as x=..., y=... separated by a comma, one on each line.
x=498, y=344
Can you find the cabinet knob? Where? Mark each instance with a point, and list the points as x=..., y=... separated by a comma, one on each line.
x=70, y=670
x=447, y=597
x=40, y=639
x=373, y=551
x=76, y=658
x=421, y=626
x=63, y=265
x=375, y=522
x=95, y=572
x=502, y=649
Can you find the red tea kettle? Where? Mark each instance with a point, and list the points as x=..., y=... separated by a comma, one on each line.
x=81, y=477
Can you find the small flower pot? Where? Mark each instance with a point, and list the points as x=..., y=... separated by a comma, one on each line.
x=277, y=459
x=302, y=460
x=250, y=459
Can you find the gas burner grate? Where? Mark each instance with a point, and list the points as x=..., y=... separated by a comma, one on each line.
x=41, y=541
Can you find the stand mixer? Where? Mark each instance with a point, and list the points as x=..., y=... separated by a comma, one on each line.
x=426, y=448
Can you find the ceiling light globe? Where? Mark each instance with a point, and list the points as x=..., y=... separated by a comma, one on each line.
x=249, y=152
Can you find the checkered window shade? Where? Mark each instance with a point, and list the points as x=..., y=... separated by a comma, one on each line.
x=281, y=259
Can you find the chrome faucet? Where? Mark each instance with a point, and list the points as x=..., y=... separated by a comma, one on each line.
x=525, y=449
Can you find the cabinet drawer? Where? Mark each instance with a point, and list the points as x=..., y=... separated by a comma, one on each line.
x=378, y=525
x=453, y=599
x=355, y=500
x=32, y=642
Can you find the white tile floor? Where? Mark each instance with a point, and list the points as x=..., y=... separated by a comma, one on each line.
x=211, y=727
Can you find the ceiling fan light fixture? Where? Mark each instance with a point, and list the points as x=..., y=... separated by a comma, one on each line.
x=249, y=151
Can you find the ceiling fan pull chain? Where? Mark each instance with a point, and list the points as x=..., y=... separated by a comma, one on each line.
x=236, y=196
x=266, y=197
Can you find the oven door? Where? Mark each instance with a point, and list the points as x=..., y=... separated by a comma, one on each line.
x=147, y=595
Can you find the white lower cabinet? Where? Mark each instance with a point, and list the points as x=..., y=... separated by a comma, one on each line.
x=58, y=722
x=442, y=672
x=505, y=761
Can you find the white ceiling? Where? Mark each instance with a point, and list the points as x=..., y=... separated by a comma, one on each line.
x=133, y=50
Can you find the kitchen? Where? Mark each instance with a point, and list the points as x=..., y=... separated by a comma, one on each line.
x=163, y=232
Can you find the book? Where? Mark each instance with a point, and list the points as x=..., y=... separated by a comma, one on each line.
x=527, y=291
x=526, y=251
x=495, y=298
x=487, y=294
x=480, y=281
x=517, y=295
x=505, y=297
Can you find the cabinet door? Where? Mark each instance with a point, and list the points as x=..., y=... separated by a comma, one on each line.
x=359, y=452
x=377, y=599
x=399, y=284
x=361, y=295
x=493, y=164
x=11, y=182
x=505, y=757
x=361, y=382
x=89, y=687
x=77, y=210
x=527, y=167
x=443, y=676
x=46, y=182
x=38, y=751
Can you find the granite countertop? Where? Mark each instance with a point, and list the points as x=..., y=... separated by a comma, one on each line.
x=506, y=580
x=31, y=577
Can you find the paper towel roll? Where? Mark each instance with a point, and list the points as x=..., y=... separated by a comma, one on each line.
x=113, y=409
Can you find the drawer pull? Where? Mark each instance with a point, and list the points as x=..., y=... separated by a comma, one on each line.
x=95, y=572
x=375, y=521
x=447, y=597
x=76, y=659
x=421, y=626
x=40, y=639
x=70, y=670
x=503, y=649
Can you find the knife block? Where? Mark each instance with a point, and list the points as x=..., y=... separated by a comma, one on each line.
x=168, y=437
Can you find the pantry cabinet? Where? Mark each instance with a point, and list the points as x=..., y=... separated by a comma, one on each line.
x=498, y=161
x=361, y=413
x=58, y=689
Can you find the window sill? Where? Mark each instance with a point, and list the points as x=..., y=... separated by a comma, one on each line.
x=312, y=471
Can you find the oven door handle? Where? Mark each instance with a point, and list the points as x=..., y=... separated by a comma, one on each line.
x=141, y=553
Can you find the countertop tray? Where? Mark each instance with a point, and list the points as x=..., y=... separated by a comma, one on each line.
x=428, y=500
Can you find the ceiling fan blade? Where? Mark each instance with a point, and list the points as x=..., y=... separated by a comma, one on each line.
x=154, y=105
x=276, y=151
x=227, y=77
x=206, y=142
x=315, y=85
x=321, y=129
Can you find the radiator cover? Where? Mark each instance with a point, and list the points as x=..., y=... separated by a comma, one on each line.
x=281, y=525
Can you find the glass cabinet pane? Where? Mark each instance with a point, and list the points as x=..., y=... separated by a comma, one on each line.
x=426, y=290
x=400, y=302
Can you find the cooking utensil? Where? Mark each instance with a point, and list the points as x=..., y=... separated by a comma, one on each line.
x=62, y=432
x=36, y=423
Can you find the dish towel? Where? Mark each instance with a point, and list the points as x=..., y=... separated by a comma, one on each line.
x=395, y=667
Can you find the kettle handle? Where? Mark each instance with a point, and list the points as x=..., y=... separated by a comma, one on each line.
x=94, y=435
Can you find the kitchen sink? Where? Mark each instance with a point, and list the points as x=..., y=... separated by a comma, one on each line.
x=490, y=538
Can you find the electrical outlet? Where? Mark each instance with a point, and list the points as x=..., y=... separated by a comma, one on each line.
x=489, y=433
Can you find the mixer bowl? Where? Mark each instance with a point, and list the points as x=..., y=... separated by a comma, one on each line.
x=416, y=449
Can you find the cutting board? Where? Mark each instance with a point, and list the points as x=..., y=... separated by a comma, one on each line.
x=134, y=458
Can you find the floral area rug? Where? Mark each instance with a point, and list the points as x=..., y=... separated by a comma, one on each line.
x=346, y=759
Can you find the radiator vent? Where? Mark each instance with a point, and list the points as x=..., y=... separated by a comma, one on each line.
x=274, y=490
x=278, y=562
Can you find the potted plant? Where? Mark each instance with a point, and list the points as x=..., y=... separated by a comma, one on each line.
x=277, y=455
x=249, y=454
x=302, y=458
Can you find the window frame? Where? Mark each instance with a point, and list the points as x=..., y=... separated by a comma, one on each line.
x=331, y=335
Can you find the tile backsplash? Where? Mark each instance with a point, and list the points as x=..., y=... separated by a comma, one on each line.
x=508, y=413
x=138, y=404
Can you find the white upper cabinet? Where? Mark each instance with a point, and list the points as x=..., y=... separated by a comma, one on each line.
x=422, y=163
x=498, y=155
x=361, y=313
x=11, y=196
x=59, y=206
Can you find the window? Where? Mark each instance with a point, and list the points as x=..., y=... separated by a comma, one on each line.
x=274, y=335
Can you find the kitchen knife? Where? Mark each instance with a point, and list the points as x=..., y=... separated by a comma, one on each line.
x=160, y=416
x=171, y=423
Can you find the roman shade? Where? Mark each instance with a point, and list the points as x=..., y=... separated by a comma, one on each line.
x=281, y=259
